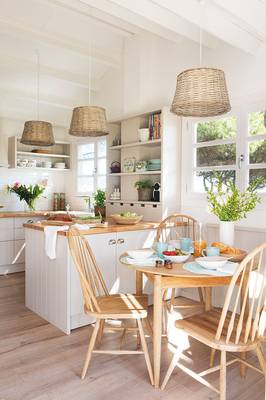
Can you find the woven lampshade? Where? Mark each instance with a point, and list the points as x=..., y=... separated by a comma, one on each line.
x=201, y=92
x=38, y=133
x=88, y=121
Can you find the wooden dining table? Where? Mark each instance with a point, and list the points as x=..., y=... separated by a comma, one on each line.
x=162, y=279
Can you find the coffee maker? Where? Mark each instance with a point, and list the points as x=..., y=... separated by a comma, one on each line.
x=156, y=192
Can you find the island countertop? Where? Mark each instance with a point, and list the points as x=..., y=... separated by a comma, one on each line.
x=109, y=229
x=24, y=214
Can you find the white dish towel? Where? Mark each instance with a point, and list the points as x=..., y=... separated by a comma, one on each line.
x=50, y=235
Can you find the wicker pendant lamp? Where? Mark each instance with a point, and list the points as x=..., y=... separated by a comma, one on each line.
x=88, y=121
x=201, y=92
x=38, y=133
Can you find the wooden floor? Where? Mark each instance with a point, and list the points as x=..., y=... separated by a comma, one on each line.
x=37, y=361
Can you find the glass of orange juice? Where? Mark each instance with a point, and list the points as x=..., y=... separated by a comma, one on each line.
x=199, y=243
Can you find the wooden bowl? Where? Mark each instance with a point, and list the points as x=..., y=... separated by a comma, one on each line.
x=126, y=220
x=236, y=257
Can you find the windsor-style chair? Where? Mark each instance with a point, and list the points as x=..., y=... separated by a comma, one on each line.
x=175, y=227
x=237, y=327
x=101, y=305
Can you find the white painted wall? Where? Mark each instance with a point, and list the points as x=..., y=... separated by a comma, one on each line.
x=56, y=180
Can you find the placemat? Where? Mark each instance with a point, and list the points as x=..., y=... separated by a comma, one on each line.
x=194, y=267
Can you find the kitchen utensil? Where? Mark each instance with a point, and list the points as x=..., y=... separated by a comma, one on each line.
x=115, y=167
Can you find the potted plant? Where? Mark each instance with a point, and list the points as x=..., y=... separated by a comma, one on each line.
x=229, y=204
x=144, y=189
x=28, y=194
x=99, y=198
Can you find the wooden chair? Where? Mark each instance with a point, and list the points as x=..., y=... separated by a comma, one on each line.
x=237, y=327
x=101, y=305
x=175, y=227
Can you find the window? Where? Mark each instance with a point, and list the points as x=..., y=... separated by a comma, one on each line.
x=233, y=147
x=257, y=145
x=214, y=146
x=91, y=166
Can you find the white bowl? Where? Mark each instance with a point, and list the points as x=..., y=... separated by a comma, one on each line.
x=177, y=259
x=212, y=262
x=140, y=254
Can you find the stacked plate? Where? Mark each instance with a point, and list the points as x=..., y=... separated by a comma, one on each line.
x=154, y=164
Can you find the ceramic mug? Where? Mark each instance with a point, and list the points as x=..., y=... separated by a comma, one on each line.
x=211, y=251
x=187, y=245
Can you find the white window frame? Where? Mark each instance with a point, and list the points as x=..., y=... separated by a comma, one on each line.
x=95, y=159
x=242, y=141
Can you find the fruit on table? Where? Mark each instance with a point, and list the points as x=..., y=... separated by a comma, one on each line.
x=176, y=252
x=128, y=214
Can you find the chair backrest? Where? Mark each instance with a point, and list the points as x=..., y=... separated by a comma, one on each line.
x=245, y=298
x=91, y=279
x=176, y=226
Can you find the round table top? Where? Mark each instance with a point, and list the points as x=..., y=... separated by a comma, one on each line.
x=178, y=272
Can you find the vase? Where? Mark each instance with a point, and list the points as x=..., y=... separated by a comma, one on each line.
x=99, y=211
x=227, y=232
x=29, y=206
x=145, y=194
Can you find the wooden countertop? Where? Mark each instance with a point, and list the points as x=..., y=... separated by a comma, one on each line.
x=25, y=214
x=110, y=229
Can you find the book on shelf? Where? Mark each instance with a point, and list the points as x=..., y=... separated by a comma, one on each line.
x=155, y=125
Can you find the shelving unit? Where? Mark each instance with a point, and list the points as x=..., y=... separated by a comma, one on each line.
x=166, y=148
x=155, y=142
x=136, y=173
x=59, y=152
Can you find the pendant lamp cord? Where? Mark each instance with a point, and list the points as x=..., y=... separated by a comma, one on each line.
x=200, y=43
x=38, y=84
x=90, y=69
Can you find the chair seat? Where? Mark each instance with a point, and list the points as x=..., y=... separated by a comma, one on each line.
x=121, y=306
x=203, y=327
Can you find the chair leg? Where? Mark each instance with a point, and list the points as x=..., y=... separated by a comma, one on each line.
x=149, y=327
x=101, y=329
x=169, y=372
x=90, y=348
x=145, y=350
x=223, y=376
x=262, y=362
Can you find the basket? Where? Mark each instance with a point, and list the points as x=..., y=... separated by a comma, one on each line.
x=126, y=220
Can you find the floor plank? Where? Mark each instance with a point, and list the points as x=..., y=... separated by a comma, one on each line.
x=39, y=362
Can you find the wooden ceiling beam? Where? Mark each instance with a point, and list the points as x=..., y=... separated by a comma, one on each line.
x=144, y=15
x=18, y=64
x=213, y=21
x=63, y=42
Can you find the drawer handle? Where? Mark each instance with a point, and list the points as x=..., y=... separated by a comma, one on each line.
x=30, y=221
x=120, y=241
x=111, y=241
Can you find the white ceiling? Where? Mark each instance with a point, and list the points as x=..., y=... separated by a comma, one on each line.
x=68, y=33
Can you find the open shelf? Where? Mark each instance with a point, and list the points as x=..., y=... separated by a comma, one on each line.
x=136, y=144
x=134, y=202
x=30, y=153
x=136, y=173
x=43, y=169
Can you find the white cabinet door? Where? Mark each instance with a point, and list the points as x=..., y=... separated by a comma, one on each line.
x=6, y=253
x=131, y=241
x=104, y=250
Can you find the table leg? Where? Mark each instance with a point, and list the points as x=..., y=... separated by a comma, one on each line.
x=157, y=329
x=208, y=298
x=139, y=283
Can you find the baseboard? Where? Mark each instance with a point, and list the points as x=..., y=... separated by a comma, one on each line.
x=11, y=269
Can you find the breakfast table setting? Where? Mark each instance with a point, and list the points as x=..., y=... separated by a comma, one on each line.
x=180, y=264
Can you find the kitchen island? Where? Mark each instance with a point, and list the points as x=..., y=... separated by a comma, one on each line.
x=52, y=286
